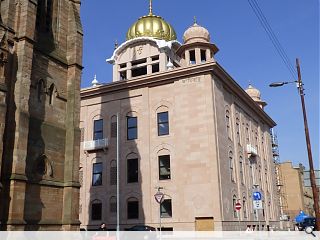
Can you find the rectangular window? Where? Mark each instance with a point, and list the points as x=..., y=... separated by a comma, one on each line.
x=163, y=123
x=123, y=75
x=166, y=209
x=133, y=210
x=132, y=170
x=139, y=71
x=155, y=58
x=132, y=128
x=97, y=174
x=164, y=167
x=192, y=54
x=140, y=61
x=96, y=211
x=155, y=68
x=203, y=55
x=98, y=129
x=123, y=65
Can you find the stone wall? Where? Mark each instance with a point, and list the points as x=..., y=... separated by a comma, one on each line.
x=41, y=131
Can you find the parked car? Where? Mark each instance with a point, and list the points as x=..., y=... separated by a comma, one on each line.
x=141, y=228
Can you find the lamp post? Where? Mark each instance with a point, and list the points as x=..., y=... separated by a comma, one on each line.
x=306, y=129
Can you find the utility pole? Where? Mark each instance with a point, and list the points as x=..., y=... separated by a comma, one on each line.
x=306, y=129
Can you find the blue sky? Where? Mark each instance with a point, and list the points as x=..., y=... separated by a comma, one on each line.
x=245, y=52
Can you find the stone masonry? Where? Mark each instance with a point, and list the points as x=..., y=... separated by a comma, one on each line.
x=40, y=71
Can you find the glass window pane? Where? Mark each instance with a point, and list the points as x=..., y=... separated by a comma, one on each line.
x=132, y=168
x=163, y=129
x=164, y=167
x=98, y=135
x=98, y=125
x=97, y=167
x=163, y=117
x=166, y=208
x=132, y=122
x=97, y=179
x=133, y=210
x=132, y=133
x=96, y=211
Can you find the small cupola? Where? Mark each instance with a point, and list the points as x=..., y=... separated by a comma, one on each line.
x=196, y=33
x=197, y=48
x=255, y=95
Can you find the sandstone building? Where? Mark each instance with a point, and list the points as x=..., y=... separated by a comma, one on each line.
x=40, y=70
x=184, y=125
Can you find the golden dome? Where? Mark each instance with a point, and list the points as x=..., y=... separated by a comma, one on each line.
x=152, y=26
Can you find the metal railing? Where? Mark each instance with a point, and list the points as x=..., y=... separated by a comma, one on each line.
x=95, y=144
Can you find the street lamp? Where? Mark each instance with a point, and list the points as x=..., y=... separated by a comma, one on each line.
x=306, y=130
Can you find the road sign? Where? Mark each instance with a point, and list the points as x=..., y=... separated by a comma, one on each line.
x=238, y=206
x=257, y=196
x=257, y=204
x=159, y=197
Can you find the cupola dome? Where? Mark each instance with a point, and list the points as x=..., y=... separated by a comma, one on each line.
x=256, y=96
x=196, y=33
x=152, y=26
x=253, y=93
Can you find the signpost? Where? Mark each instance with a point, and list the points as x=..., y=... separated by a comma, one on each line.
x=257, y=204
x=159, y=199
x=238, y=207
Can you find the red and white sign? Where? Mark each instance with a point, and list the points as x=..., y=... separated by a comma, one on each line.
x=159, y=197
x=237, y=206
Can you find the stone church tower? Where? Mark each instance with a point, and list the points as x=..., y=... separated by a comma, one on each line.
x=40, y=71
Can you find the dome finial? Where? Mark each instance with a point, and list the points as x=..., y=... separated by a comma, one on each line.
x=194, y=20
x=150, y=7
x=116, y=44
x=95, y=81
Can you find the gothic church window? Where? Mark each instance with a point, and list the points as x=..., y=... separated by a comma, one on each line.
x=44, y=16
x=40, y=89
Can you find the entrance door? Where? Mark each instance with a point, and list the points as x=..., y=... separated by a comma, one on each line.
x=204, y=224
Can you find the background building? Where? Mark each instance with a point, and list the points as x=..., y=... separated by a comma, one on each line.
x=298, y=192
x=184, y=125
x=40, y=70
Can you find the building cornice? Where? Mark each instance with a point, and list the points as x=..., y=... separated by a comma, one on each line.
x=175, y=75
x=235, y=87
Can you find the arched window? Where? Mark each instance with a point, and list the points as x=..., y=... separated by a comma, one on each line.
x=247, y=133
x=132, y=126
x=238, y=130
x=244, y=206
x=228, y=124
x=241, y=170
x=44, y=16
x=231, y=165
x=96, y=210
x=40, y=89
x=52, y=92
x=113, y=205
x=132, y=208
x=113, y=126
x=234, y=201
x=132, y=168
x=113, y=172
